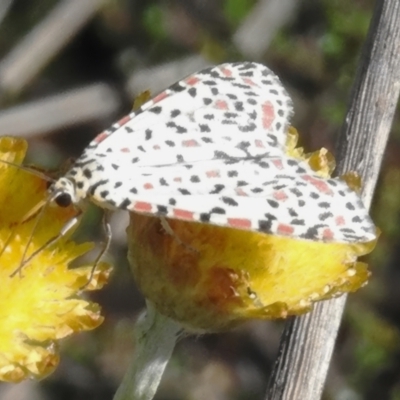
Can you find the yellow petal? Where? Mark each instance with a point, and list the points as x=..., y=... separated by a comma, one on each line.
x=221, y=277
x=41, y=303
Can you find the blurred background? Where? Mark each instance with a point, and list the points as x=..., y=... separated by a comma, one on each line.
x=69, y=68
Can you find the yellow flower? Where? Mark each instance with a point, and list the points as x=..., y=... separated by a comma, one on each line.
x=220, y=276
x=39, y=304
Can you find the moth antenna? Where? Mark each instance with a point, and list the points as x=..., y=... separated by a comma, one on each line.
x=41, y=206
x=31, y=213
x=67, y=227
x=30, y=170
x=25, y=218
x=105, y=247
x=37, y=207
x=41, y=211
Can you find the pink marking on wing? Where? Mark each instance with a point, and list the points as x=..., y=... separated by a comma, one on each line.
x=148, y=186
x=280, y=195
x=160, y=97
x=124, y=120
x=278, y=163
x=212, y=174
x=183, y=214
x=177, y=179
x=328, y=234
x=268, y=114
x=284, y=229
x=142, y=206
x=259, y=143
x=226, y=72
x=248, y=81
x=221, y=105
x=192, y=80
x=240, y=192
x=125, y=150
x=240, y=223
x=190, y=143
x=319, y=184
x=340, y=221
x=156, y=147
x=100, y=137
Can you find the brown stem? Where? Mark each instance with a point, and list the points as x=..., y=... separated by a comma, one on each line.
x=307, y=342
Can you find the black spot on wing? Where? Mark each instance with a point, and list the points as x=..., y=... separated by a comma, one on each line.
x=217, y=188
x=218, y=210
x=324, y=216
x=179, y=129
x=273, y=203
x=295, y=221
x=204, y=128
x=184, y=191
x=162, y=210
x=155, y=109
x=229, y=201
x=177, y=87
x=265, y=225
x=93, y=188
x=124, y=204
x=104, y=194
x=87, y=173
x=192, y=91
x=205, y=217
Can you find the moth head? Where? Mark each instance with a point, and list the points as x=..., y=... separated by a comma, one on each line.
x=63, y=192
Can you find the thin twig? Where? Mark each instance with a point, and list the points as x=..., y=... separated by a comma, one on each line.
x=258, y=29
x=252, y=39
x=43, y=43
x=78, y=106
x=307, y=342
x=5, y=6
x=160, y=76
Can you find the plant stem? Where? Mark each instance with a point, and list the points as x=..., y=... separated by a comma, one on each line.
x=307, y=342
x=156, y=336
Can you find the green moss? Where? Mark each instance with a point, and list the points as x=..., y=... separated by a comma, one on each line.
x=236, y=10
x=153, y=22
x=377, y=342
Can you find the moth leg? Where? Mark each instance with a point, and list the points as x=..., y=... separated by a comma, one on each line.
x=35, y=210
x=64, y=230
x=10, y=237
x=105, y=247
x=167, y=228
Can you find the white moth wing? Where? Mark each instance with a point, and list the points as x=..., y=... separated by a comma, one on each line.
x=234, y=109
x=211, y=149
x=283, y=197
